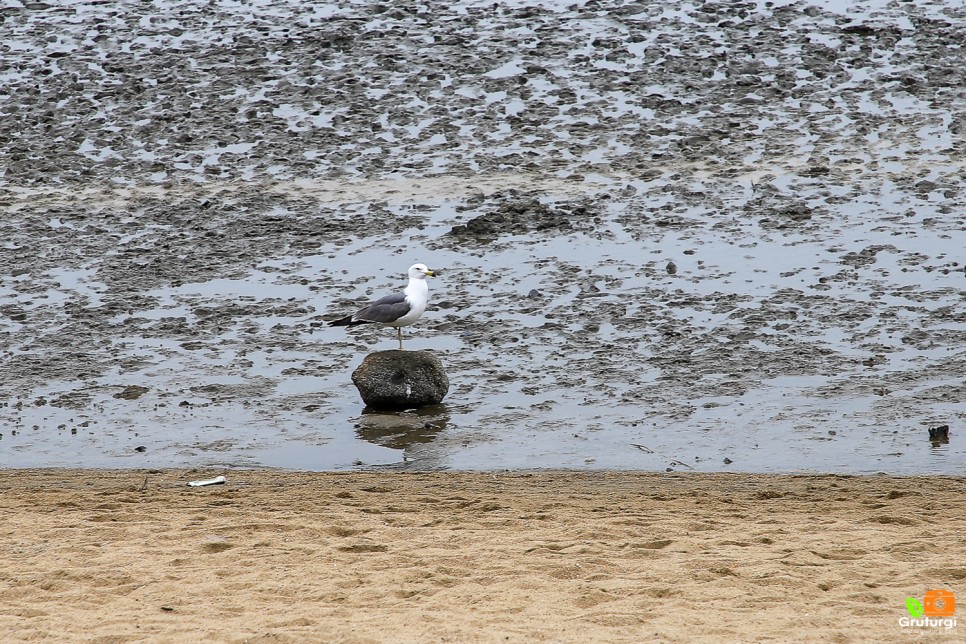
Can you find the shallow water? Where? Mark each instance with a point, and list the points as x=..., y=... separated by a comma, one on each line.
x=216, y=185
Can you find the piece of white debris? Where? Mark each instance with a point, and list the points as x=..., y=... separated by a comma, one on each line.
x=215, y=481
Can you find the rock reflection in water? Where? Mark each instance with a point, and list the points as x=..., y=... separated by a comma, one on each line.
x=401, y=430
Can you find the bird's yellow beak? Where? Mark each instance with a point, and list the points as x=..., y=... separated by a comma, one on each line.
x=430, y=272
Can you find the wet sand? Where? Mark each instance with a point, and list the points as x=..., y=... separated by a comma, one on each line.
x=124, y=556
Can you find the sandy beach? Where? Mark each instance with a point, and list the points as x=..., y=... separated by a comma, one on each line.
x=671, y=237
x=138, y=556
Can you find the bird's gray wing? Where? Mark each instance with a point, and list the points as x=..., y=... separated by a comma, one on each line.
x=384, y=310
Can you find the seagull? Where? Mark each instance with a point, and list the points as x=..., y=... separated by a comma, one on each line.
x=398, y=309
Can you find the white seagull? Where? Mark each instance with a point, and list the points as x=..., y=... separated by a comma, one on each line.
x=398, y=309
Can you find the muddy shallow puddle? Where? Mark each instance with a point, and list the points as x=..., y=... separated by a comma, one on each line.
x=758, y=351
x=687, y=237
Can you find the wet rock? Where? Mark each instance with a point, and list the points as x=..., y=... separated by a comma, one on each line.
x=939, y=435
x=401, y=379
x=131, y=392
x=786, y=216
x=866, y=256
x=521, y=216
x=15, y=313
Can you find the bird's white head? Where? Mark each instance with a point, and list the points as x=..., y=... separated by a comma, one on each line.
x=420, y=271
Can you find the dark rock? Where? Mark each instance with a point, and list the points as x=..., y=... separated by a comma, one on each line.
x=401, y=379
x=131, y=392
x=519, y=216
x=939, y=435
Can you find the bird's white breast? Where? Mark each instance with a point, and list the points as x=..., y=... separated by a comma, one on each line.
x=417, y=296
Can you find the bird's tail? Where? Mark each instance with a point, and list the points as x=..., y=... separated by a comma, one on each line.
x=346, y=321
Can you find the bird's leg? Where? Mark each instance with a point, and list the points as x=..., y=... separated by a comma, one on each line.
x=399, y=331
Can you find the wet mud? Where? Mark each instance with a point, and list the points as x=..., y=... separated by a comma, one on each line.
x=670, y=236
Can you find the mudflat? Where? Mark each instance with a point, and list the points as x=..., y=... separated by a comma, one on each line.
x=668, y=234
x=270, y=556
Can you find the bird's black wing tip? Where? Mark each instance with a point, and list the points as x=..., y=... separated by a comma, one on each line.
x=346, y=321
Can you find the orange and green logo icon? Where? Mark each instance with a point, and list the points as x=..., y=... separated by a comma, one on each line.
x=936, y=603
